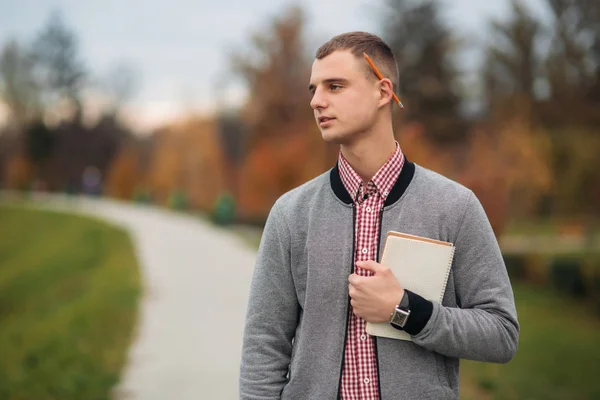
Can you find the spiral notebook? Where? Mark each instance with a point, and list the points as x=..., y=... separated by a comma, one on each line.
x=421, y=265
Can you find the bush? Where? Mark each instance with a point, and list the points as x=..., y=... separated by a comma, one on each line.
x=142, y=195
x=178, y=200
x=224, y=211
x=595, y=291
x=515, y=266
x=566, y=275
x=591, y=274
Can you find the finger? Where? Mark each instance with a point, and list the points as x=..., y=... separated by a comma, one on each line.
x=355, y=292
x=369, y=265
x=358, y=313
x=354, y=279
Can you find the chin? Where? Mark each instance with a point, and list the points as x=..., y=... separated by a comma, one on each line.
x=335, y=137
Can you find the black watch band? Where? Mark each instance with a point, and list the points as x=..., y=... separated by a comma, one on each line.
x=404, y=303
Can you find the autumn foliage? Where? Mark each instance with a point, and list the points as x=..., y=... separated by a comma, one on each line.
x=523, y=155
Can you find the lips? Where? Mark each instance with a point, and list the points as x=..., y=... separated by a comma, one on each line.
x=324, y=121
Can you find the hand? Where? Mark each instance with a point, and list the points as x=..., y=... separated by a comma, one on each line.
x=375, y=297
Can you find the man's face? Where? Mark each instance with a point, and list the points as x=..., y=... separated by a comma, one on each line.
x=345, y=101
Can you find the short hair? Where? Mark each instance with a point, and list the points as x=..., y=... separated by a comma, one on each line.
x=373, y=45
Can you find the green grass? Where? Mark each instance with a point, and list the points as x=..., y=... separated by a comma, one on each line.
x=69, y=288
x=547, y=226
x=553, y=226
x=558, y=355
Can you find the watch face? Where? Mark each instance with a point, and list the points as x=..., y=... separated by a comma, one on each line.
x=399, y=318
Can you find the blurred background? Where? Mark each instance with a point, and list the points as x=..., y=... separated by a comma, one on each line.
x=201, y=106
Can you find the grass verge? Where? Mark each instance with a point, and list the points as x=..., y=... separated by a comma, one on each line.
x=558, y=355
x=69, y=288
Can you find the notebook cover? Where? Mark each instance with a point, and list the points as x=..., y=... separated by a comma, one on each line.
x=421, y=265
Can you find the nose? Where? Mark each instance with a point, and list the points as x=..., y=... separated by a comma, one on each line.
x=318, y=100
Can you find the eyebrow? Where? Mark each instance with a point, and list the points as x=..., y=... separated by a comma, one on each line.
x=311, y=87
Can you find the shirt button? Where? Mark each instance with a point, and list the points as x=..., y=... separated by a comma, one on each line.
x=363, y=337
x=364, y=251
x=368, y=209
x=367, y=381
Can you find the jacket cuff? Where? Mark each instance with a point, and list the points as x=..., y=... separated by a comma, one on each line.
x=420, y=313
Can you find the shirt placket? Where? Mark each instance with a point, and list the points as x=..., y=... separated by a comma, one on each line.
x=367, y=248
x=361, y=255
x=361, y=360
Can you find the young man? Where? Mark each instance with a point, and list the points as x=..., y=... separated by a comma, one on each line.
x=317, y=280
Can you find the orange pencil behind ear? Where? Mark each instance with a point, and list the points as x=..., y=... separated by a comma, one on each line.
x=381, y=77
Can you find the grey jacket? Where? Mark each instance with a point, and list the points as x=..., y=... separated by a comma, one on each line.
x=296, y=322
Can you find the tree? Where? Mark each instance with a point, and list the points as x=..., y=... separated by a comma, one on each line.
x=123, y=174
x=40, y=141
x=120, y=85
x=57, y=65
x=276, y=72
x=276, y=124
x=509, y=169
x=423, y=47
x=19, y=90
x=573, y=63
x=231, y=132
x=511, y=63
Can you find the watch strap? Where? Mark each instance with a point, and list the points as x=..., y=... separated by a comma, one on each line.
x=405, y=302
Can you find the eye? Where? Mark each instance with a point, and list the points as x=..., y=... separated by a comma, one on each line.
x=334, y=87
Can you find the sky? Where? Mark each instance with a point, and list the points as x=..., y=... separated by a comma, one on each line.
x=179, y=49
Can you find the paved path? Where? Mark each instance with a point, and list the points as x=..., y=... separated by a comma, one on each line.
x=191, y=317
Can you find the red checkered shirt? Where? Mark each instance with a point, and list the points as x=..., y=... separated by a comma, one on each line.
x=359, y=374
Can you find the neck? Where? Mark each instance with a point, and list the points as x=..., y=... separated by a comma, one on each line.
x=367, y=153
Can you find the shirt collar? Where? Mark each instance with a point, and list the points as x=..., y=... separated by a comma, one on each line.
x=382, y=181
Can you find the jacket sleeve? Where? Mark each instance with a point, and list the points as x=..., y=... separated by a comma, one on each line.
x=485, y=326
x=272, y=315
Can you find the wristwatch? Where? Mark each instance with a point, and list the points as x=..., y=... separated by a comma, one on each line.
x=401, y=313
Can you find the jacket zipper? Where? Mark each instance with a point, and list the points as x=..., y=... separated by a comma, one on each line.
x=339, y=395
x=375, y=338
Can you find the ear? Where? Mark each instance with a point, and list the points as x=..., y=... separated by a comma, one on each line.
x=386, y=92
